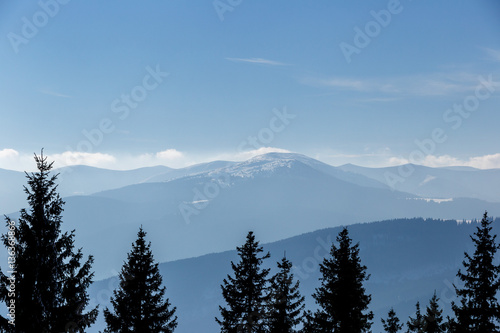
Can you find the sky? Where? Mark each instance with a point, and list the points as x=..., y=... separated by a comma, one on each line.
x=126, y=84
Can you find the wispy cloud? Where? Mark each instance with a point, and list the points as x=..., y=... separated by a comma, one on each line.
x=432, y=84
x=493, y=54
x=491, y=161
x=381, y=99
x=54, y=93
x=259, y=61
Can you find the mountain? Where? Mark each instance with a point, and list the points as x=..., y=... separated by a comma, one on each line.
x=73, y=180
x=439, y=183
x=85, y=180
x=12, y=196
x=277, y=195
x=408, y=259
x=204, y=211
x=190, y=170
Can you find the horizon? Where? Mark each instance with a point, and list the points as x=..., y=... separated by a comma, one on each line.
x=59, y=167
x=308, y=78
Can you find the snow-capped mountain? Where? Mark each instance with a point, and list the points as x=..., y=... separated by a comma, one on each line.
x=277, y=195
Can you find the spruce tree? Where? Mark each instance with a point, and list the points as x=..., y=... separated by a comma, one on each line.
x=478, y=310
x=417, y=324
x=391, y=324
x=139, y=303
x=342, y=298
x=46, y=280
x=433, y=319
x=245, y=293
x=285, y=302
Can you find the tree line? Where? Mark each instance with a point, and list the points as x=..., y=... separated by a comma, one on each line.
x=255, y=305
x=45, y=284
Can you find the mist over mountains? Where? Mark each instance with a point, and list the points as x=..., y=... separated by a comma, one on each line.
x=196, y=216
x=449, y=182
x=205, y=208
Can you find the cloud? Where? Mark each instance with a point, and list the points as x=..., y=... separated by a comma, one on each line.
x=169, y=154
x=12, y=159
x=432, y=84
x=493, y=54
x=258, y=61
x=485, y=162
x=79, y=158
x=491, y=161
x=256, y=152
x=8, y=153
x=380, y=99
x=54, y=93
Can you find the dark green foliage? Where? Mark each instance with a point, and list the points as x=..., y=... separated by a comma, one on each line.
x=391, y=324
x=433, y=319
x=341, y=297
x=416, y=324
x=138, y=303
x=285, y=304
x=245, y=293
x=478, y=310
x=50, y=280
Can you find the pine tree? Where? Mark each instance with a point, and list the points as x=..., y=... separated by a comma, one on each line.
x=392, y=325
x=245, y=293
x=341, y=297
x=479, y=310
x=417, y=324
x=45, y=281
x=139, y=302
x=285, y=302
x=433, y=319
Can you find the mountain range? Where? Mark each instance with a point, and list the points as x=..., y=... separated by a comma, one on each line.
x=205, y=208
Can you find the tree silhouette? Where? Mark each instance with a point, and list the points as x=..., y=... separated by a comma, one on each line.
x=341, y=297
x=416, y=325
x=478, y=310
x=245, y=293
x=433, y=319
x=139, y=303
x=391, y=324
x=285, y=302
x=46, y=283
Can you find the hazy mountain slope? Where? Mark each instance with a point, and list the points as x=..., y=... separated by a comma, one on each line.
x=74, y=180
x=85, y=180
x=190, y=170
x=12, y=196
x=276, y=197
x=438, y=182
x=407, y=260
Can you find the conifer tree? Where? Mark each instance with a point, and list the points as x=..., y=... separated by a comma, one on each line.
x=285, y=302
x=139, y=303
x=417, y=324
x=391, y=324
x=478, y=310
x=342, y=297
x=245, y=293
x=433, y=319
x=46, y=282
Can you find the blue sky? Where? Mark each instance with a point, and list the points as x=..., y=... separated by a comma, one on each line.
x=372, y=83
